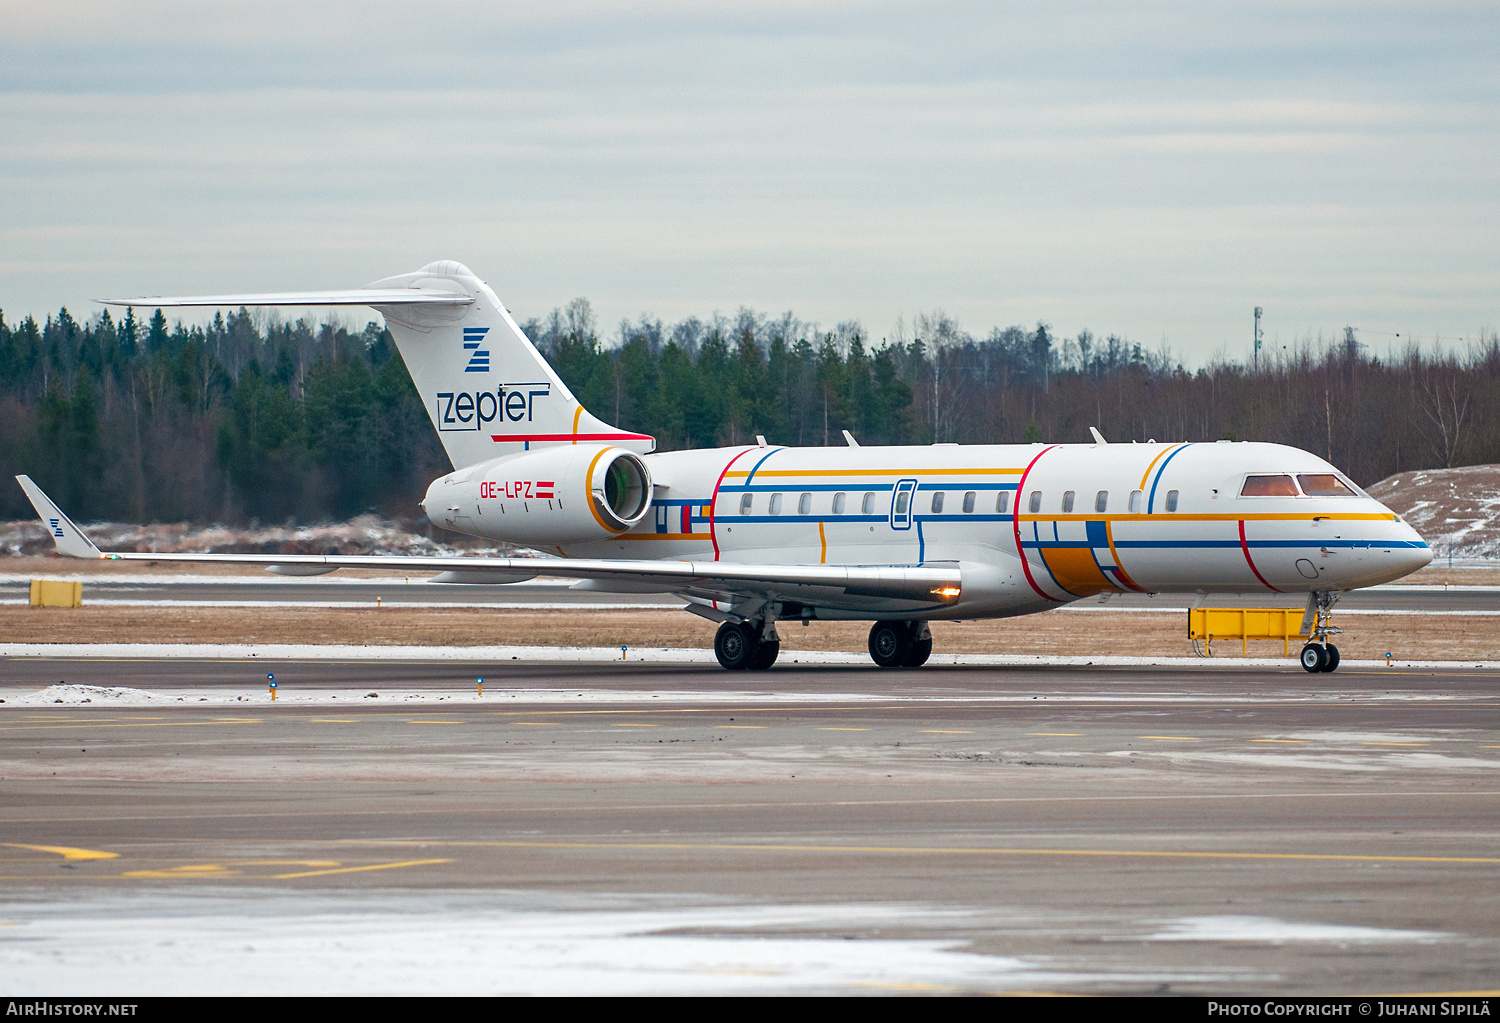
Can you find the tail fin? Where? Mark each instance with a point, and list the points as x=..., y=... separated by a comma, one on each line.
x=488, y=390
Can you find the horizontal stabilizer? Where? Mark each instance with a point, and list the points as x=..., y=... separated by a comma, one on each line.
x=358, y=296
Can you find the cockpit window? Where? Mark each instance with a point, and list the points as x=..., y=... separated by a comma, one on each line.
x=1268, y=486
x=1324, y=484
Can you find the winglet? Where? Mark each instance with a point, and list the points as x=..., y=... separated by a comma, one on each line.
x=1098, y=437
x=849, y=437
x=71, y=541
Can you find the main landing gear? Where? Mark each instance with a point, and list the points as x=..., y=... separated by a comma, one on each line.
x=1320, y=654
x=754, y=645
x=900, y=644
x=740, y=645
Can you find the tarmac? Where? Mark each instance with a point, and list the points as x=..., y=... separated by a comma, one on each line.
x=655, y=828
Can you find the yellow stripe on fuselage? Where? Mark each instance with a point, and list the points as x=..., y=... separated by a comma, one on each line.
x=1225, y=517
x=1147, y=474
x=663, y=536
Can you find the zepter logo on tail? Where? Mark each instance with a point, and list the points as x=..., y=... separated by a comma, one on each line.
x=558, y=495
x=488, y=390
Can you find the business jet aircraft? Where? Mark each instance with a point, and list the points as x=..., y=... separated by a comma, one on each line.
x=757, y=534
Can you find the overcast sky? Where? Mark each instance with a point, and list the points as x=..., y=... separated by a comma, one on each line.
x=1154, y=170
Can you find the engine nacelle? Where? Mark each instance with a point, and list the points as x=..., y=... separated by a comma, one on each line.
x=565, y=494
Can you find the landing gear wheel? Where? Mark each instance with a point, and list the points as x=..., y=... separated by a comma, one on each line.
x=765, y=654
x=1313, y=658
x=735, y=646
x=1331, y=657
x=917, y=655
x=890, y=644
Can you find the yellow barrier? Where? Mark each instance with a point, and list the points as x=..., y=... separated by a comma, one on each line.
x=1245, y=624
x=56, y=593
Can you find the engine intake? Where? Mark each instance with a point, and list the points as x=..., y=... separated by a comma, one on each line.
x=565, y=494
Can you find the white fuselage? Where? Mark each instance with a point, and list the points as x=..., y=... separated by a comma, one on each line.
x=1033, y=526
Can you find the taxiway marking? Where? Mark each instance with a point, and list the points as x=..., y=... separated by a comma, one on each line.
x=65, y=851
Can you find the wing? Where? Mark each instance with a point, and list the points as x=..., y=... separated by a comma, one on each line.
x=874, y=588
x=358, y=296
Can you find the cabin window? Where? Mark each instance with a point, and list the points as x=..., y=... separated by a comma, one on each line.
x=1324, y=484
x=1171, y=500
x=937, y=502
x=867, y=507
x=746, y=502
x=1067, y=505
x=1268, y=486
x=838, y=504
x=1101, y=501
x=903, y=501
x=804, y=504
x=969, y=502
x=1002, y=502
x=1135, y=502
x=1036, y=501
x=775, y=504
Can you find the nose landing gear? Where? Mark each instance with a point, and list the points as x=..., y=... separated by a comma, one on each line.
x=1319, y=654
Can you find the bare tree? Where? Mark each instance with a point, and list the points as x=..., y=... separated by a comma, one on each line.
x=1447, y=412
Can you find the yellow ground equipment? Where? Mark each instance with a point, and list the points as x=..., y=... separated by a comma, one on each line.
x=1244, y=624
x=56, y=593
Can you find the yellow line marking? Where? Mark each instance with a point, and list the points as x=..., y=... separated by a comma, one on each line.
x=534, y=723
x=741, y=726
x=941, y=850
x=334, y=721
x=1054, y=733
x=65, y=851
x=823, y=541
x=627, y=724
x=946, y=731
x=186, y=870
x=1278, y=740
x=830, y=728
x=1175, y=738
x=356, y=870
x=1393, y=744
x=428, y=721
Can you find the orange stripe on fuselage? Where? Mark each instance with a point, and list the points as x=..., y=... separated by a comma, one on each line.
x=1147, y=474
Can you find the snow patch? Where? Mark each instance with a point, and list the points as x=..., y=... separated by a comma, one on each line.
x=65, y=692
x=1269, y=930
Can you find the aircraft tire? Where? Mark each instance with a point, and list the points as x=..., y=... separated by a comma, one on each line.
x=917, y=655
x=890, y=643
x=735, y=646
x=765, y=654
x=1313, y=658
x=1331, y=658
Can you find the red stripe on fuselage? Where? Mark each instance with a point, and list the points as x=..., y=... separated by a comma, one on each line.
x=1016, y=522
x=1246, y=548
x=713, y=501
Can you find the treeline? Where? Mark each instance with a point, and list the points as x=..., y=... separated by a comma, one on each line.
x=253, y=418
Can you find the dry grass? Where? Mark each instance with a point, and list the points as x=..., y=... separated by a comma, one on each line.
x=1058, y=632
